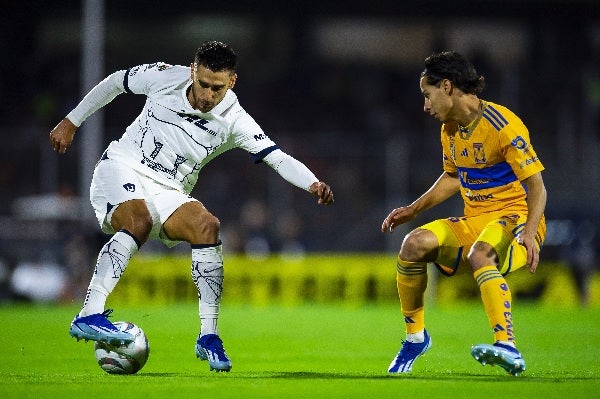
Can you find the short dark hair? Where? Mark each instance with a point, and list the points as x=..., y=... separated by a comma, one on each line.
x=216, y=56
x=454, y=67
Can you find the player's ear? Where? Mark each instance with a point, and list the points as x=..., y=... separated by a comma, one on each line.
x=447, y=86
x=232, y=80
x=192, y=71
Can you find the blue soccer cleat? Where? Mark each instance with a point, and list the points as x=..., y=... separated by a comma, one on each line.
x=96, y=327
x=410, y=351
x=210, y=347
x=505, y=356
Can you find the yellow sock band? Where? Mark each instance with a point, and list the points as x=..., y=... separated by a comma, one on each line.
x=411, y=280
x=497, y=302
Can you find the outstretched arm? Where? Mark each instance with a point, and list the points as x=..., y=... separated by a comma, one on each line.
x=299, y=175
x=104, y=92
x=444, y=187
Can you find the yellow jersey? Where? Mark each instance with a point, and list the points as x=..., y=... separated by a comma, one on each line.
x=491, y=157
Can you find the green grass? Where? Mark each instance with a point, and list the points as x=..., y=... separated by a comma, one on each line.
x=318, y=351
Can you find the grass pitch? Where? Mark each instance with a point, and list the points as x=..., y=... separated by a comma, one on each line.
x=309, y=351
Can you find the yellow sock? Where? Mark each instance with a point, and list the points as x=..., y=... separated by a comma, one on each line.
x=411, y=281
x=496, y=298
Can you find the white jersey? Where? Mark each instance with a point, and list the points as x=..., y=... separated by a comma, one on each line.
x=170, y=142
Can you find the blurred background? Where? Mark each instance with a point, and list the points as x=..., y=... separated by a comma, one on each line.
x=335, y=84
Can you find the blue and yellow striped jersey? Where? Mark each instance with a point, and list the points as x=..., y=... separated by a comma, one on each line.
x=491, y=156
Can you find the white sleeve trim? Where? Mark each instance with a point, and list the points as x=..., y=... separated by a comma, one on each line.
x=291, y=169
x=100, y=95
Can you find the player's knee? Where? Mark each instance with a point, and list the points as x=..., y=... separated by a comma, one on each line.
x=482, y=254
x=211, y=225
x=206, y=229
x=418, y=246
x=141, y=226
x=138, y=222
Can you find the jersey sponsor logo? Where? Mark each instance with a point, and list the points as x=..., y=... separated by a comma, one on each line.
x=129, y=187
x=519, y=143
x=478, y=197
x=528, y=162
x=198, y=122
x=160, y=66
x=492, y=176
x=473, y=182
x=479, y=153
x=261, y=136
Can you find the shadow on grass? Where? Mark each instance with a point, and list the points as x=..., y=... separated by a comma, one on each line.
x=311, y=375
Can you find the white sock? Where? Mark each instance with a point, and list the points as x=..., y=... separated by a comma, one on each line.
x=207, y=273
x=110, y=266
x=417, y=337
x=209, y=315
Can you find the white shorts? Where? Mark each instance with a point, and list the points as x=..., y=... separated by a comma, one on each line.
x=114, y=183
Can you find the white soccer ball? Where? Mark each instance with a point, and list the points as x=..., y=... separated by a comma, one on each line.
x=127, y=359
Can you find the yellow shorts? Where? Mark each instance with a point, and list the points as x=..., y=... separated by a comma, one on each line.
x=456, y=235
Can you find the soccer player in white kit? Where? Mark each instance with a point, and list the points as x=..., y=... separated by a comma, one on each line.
x=141, y=186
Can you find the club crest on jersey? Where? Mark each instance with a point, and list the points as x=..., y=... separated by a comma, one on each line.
x=479, y=153
x=129, y=187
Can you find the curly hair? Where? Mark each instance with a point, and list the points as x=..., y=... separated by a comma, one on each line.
x=216, y=56
x=454, y=67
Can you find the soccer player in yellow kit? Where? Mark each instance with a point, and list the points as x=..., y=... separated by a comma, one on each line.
x=489, y=159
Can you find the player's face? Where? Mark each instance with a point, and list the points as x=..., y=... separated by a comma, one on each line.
x=437, y=100
x=208, y=87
